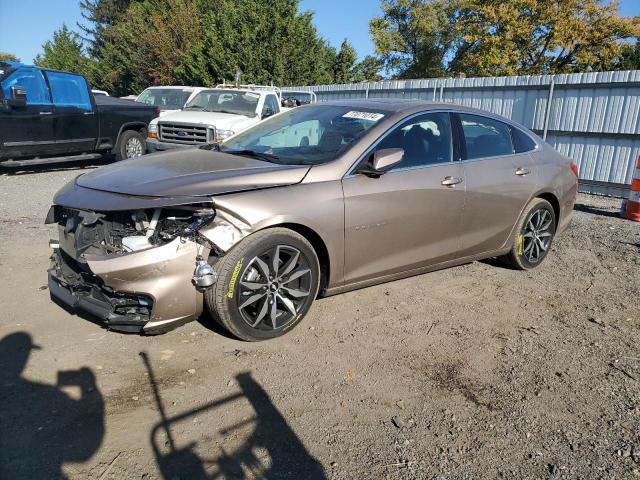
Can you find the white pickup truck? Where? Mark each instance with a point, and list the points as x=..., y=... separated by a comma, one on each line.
x=213, y=115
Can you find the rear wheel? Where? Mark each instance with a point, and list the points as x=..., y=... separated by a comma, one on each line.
x=535, y=231
x=131, y=144
x=266, y=284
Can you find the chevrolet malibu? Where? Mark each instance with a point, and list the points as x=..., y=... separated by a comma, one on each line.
x=313, y=202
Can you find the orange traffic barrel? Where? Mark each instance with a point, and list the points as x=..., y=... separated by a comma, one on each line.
x=633, y=203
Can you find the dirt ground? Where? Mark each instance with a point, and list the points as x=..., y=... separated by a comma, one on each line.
x=472, y=372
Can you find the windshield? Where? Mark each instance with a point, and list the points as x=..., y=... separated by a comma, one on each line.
x=225, y=101
x=309, y=135
x=165, y=98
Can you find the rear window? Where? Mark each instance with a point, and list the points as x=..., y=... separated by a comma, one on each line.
x=69, y=90
x=485, y=137
x=521, y=141
x=165, y=98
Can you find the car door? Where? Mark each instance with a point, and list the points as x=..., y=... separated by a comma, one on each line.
x=499, y=183
x=75, y=119
x=27, y=131
x=270, y=106
x=410, y=216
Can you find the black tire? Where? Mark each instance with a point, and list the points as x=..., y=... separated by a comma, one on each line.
x=239, y=275
x=522, y=255
x=125, y=138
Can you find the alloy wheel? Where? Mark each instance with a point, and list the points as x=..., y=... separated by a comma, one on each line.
x=537, y=235
x=274, y=287
x=134, y=148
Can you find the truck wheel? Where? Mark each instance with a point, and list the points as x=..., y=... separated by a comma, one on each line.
x=266, y=284
x=130, y=145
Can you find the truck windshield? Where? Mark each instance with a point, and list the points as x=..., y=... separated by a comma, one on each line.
x=165, y=98
x=308, y=135
x=225, y=101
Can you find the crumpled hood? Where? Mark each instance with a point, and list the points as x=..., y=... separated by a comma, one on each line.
x=190, y=172
x=224, y=121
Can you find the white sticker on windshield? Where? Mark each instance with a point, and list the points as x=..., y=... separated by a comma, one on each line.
x=374, y=117
x=252, y=95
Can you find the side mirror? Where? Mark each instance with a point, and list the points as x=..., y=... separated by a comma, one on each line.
x=383, y=161
x=268, y=112
x=17, y=96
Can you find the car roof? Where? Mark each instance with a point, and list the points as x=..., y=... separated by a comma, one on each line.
x=393, y=104
x=404, y=106
x=175, y=87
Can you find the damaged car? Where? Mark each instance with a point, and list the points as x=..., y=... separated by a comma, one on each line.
x=319, y=200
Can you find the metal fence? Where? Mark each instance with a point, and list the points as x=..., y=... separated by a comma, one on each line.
x=593, y=118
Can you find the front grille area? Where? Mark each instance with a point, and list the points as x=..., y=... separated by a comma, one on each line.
x=185, y=134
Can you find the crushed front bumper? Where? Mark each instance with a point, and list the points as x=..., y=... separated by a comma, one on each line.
x=149, y=291
x=80, y=291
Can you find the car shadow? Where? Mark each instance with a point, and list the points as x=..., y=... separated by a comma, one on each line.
x=207, y=321
x=42, y=426
x=271, y=451
x=580, y=207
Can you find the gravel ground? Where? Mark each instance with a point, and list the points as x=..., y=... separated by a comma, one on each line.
x=472, y=372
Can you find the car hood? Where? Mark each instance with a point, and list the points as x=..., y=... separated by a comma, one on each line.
x=225, y=121
x=190, y=172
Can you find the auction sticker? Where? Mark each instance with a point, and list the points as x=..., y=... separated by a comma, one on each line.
x=373, y=117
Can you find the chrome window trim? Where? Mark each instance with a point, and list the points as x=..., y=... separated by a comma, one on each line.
x=350, y=171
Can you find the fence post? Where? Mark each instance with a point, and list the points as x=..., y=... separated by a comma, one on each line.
x=547, y=112
x=441, y=90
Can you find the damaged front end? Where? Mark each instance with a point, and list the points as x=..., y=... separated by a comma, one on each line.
x=138, y=271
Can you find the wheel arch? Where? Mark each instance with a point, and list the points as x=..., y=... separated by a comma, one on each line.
x=140, y=127
x=553, y=200
x=318, y=245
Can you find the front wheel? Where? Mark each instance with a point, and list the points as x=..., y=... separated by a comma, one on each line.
x=130, y=145
x=266, y=284
x=534, y=233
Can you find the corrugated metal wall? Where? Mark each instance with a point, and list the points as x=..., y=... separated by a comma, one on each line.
x=594, y=118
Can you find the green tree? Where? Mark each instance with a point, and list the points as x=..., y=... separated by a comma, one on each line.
x=630, y=57
x=499, y=37
x=64, y=52
x=412, y=37
x=99, y=16
x=344, y=63
x=8, y=57
x=368, y=70
x=200, y=42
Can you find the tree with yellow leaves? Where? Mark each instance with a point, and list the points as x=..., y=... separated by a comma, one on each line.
x=424, y=38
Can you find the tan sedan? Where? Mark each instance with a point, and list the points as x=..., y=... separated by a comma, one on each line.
x=315, y=201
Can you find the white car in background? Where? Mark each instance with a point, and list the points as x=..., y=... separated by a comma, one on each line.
x=213, y=115
x=168, y=99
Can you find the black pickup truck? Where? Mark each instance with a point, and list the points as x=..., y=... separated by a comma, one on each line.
x=51, y=116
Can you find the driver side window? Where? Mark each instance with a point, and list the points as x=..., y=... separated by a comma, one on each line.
x=32, y=81
x=425, y=139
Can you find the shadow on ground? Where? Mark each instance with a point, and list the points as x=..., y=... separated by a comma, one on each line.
x=596, y=211
x=42, y=426
x=272, y=450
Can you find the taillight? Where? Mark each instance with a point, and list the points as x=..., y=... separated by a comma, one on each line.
x=574, y=169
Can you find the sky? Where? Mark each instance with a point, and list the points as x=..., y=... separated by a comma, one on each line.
x=26, y=24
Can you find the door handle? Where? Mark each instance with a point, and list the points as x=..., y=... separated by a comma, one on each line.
x=88, y=113
x=451, y=181
x=46, y=113
x=521, y=172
